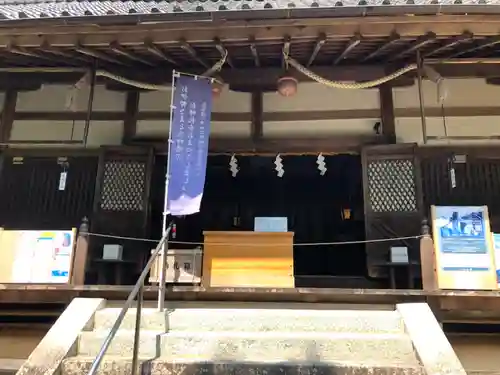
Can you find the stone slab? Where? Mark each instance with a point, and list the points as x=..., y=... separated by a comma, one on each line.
x=90, y=343
x=257, y=320
x=122, y=366
x=285, y=346
x=431, y=344
x=60, y=341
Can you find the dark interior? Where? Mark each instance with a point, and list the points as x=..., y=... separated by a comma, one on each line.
x=313, y=204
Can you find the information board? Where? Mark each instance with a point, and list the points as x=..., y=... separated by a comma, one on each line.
x=42, y=257
x=464, y=247
x=496, y=245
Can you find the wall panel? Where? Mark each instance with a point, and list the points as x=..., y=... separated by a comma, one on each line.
x=473, y=94
x=54, y=98
x=228, y=101
x=100, y=132
x=317, y=97
x=319, y=128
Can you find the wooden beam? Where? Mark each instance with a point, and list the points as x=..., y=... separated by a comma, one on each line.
x=257, y=124
x=252, y=79
x=419, y=43
x=24, y=52
x=255, y=53
x=115, y=47
x=155, y=50
x=8, y=112
x=339, y=143
x=353, y=43
x=98, y=55
x=387, y=112
x=286, y=50
x=486, y=43
x=393, y=39
x=222, y=50
x=192, y=52
x=47, y=48
x=317, y=47
x=130, y=121
x=205, y=32
x=455, y=41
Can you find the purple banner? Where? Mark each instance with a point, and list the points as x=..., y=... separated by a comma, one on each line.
x=188, y=150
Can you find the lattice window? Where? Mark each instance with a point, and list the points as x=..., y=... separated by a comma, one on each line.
x=391, y=186
x=123, y=186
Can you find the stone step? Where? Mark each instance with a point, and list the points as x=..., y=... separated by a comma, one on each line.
x=122, y=366
x=257, y=320
x=279, y=346
x=90, y=343
x=257, y=346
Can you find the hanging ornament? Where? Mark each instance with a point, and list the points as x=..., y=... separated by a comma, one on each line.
x=233, y=166
x=321, y=164
x=451, y=172
x=287, y=85
x=279, y=166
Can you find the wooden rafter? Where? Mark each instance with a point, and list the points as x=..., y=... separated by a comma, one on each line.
x=286, y=50
x=24, y=52
x=419, y=43
x=486, y=43
x=454, y=42
x=98, y=55
x=116, y=48
x=192, y=52
x=155, y=50
x=353, y=43
x=47, y=48
x=393, y=39
x=255, y=53
x=317, y=47
x=222, y=50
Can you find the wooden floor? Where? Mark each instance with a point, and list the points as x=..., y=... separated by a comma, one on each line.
x=474, y=306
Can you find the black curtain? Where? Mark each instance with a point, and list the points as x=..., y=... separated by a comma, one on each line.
x=312, y=203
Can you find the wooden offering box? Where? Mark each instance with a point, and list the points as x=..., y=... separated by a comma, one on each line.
x=248, y=259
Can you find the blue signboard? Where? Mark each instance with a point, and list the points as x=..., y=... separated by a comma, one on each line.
x=461, y=236
x=188, y=148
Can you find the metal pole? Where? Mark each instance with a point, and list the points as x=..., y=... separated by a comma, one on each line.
x=163, y=276
x=421, y=97
x=89, y=105
x=137, y=333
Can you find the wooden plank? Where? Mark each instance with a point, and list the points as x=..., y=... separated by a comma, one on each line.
x=387, y=112
x=206, y=32
x=8, y=112
x=248, y=259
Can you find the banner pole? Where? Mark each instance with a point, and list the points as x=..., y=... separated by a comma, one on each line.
x=163, y=276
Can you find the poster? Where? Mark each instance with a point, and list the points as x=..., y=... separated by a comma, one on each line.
x=43, y=257
x=496, y=245
x=464, y=253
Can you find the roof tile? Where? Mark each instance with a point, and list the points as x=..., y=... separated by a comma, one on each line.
x=35, y=9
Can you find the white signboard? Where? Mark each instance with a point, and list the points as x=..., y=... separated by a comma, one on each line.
x=43, y=257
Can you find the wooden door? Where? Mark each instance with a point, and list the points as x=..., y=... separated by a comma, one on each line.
x=392, y=194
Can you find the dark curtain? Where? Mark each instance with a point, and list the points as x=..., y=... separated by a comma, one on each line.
x=312, y=203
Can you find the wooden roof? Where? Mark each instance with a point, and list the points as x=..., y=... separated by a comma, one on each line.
x=343, y=49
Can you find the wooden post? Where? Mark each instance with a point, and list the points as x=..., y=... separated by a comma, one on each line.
x=427, y=258
x=81, y=251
